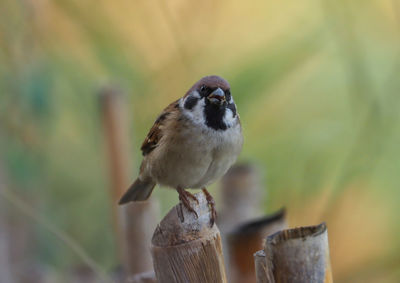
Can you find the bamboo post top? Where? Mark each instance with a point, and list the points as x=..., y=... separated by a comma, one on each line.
x=298, y=255
x=173, y=231
x=185, y=248
x=295, y=234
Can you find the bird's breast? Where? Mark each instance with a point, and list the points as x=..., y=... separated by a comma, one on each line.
x=195, y=156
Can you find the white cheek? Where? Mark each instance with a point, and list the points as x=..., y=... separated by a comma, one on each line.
x=196, y=114
x=229, y=120
x=195, y=93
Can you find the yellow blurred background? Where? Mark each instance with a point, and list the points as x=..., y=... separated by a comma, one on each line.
x=316, y=83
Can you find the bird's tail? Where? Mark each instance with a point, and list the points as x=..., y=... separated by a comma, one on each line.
x=138, y=191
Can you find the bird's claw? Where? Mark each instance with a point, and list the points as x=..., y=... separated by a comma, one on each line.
x=184, y=198
x=211, y=205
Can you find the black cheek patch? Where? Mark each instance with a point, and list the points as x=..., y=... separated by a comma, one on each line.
x=232, y=107
x=190, y=102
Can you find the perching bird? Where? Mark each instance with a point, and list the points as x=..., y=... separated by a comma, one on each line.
x=192, y=143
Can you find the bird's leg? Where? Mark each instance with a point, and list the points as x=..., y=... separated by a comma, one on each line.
x=211, y=205
x=184, y=198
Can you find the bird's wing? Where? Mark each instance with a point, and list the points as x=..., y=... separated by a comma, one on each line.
x=155, y=133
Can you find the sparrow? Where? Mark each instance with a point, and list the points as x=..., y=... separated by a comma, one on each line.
x=192, y=143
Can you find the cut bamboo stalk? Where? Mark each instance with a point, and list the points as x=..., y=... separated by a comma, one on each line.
x=259, y=260
x=246, y=240
x=297, y=255
x=241, y=196
x=186, y=248
x=139, y=222
x=134, y=222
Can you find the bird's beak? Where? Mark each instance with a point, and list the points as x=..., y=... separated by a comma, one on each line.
x=217, y=96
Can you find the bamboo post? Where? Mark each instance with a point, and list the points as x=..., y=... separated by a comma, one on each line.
x=246, y=240
x=186, y=248
x=296, y=255
x=241, y=196
x=134, y=222
x=259, y=262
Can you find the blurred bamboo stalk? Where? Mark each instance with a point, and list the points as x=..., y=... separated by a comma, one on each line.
x=5, y=263
x=116, y=135
x=133, y=222
x=298, y=255
x=241, y=197
x=246, y=240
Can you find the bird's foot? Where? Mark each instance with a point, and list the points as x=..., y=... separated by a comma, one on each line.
x=184, y=197
x=211, y=205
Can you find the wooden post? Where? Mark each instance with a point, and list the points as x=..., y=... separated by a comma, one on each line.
x=186, y=248
x=116, y=138
x=139, y=222
x=259, y=261
x=296, y=255
x=241, y=196
x=134, y=222
x=246, y=240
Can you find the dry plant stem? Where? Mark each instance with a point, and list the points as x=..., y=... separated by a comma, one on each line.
x=246, y=240
x=298, y=255
x=133, y=222
x=188, y=251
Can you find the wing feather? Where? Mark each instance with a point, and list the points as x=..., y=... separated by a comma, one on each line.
x=155, y=133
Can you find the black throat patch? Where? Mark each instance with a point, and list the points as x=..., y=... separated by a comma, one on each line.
x=214, y=116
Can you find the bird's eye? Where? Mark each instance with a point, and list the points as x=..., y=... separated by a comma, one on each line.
x=228, y=95
x=203, y=88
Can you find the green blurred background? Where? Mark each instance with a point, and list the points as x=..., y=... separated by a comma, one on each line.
x=316, y=83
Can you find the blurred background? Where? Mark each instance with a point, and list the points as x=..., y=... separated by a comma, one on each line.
x=316, y=83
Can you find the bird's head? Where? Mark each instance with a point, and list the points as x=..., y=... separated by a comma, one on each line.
x=209, y=101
